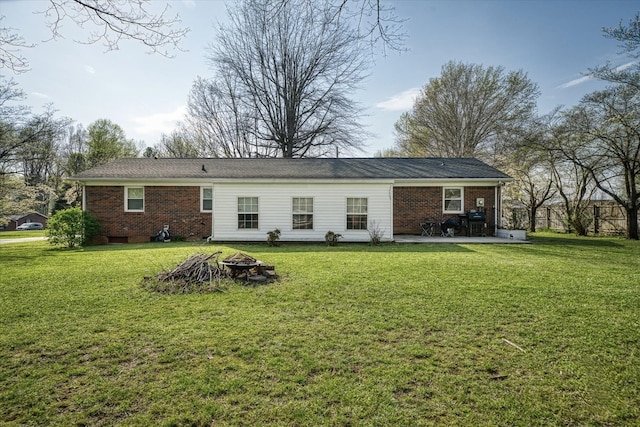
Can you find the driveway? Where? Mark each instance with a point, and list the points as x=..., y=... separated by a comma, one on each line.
x=21, y=240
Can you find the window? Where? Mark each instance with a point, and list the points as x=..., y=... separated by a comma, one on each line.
x=248, y=212
x=452, y=200
x=134, y=199
x=303, y=213
x=356, y=213
x=206, y=199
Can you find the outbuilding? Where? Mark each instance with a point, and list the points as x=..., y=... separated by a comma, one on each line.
x=24, y=218
x=241, y=199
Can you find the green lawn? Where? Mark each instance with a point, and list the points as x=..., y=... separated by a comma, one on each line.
x=515, y=335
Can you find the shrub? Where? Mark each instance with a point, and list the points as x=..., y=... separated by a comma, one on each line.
x=331, y=238
x=375, y=233
x=72, y=227
x=273, y=237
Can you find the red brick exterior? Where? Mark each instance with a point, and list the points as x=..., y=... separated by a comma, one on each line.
x=179, y=207
x=413, y=205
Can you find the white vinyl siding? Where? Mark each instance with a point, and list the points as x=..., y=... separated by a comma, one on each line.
x=275, y=209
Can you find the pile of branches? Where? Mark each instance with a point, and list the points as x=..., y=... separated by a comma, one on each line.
x=199, y=273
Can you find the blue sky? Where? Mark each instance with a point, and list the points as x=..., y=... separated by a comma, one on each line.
x=554, y=42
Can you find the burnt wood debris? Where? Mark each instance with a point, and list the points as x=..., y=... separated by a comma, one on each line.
x=204, y=272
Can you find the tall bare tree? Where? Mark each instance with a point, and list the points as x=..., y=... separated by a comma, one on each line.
x=467, y=112
x=606, y=143
x=295, y=66
x=112, y=22
x=219, y=123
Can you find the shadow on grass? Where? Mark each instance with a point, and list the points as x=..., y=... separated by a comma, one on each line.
x=586, y=241
x=286, y=247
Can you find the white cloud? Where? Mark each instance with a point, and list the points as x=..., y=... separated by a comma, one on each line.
x=625, y=66
x=89, y=69
x=159, y=122
x=40, y=95
x=189, y=3
x=575, y=82
x=584, y=79
x=401, y=101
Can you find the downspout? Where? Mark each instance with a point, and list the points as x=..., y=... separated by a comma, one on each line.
x=496, y=209
x=391, y=186
x=213, y=207
x=498, y=212
x=84, y=198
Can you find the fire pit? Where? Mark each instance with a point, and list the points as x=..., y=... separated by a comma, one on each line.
x=239, y=264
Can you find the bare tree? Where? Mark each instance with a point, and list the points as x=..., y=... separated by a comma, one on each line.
x=606, y=143
x=629, y=36
x=529, y=164
x=112, y=22
x=295, y=66
x=11, y=45
x=467, y=111
x=176, y=145
x=39, y=149
x=219, y=123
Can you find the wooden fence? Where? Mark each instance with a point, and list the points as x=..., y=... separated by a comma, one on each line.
x=607, y=218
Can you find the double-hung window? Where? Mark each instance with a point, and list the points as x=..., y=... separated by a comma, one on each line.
x=134, y=199
x=357, y=213
x=206, y=199
x=248, y=213
x=452, y=200
x=302, y=208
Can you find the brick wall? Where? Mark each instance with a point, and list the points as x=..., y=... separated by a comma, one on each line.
x=413, y=205
x=179, y=207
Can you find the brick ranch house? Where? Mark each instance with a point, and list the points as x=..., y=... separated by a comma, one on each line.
x=23, y=218
x=243, y=199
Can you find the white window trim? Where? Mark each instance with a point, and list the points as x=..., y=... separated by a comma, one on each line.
x=312, y=213
x=202, y=209
x=461, y=200
x=347, y=213
x=126, y=199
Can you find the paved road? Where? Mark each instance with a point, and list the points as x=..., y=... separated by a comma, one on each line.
x=21, y=239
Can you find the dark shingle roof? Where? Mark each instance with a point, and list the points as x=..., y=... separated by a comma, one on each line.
x=280, y=168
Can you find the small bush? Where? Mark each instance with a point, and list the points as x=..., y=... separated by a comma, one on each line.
x=72, y=227
x=273, y=237
x=331, y=238
x=375, y=233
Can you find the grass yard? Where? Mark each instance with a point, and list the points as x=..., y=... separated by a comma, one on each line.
x=403, y=335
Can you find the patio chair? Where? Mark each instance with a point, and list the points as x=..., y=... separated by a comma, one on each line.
x=449, y=227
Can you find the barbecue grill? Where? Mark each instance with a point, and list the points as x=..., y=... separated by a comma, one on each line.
x=476, y=221
x=477, y=216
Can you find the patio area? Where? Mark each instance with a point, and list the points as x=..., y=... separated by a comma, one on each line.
x=460, y=240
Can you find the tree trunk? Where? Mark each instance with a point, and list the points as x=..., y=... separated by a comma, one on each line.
x=532, y=217
x=632, y=223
